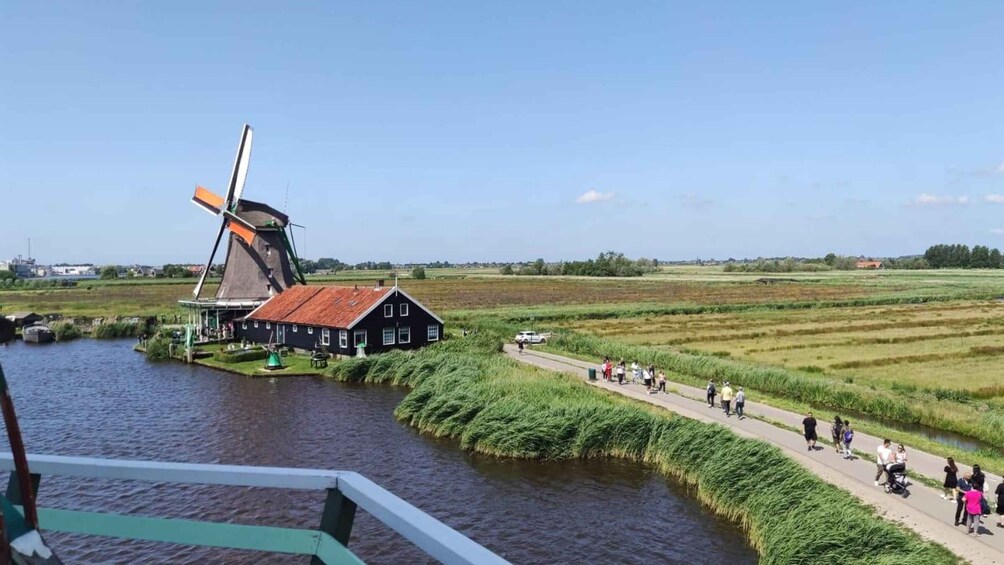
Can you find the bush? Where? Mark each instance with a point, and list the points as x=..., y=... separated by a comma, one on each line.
x=158, y=349
x=418, y=273
x=65, y=331
x=240, y=356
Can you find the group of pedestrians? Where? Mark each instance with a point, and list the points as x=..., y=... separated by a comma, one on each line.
x=842, y=434
x=654, y=382
x=970, y=495
x=728, y=396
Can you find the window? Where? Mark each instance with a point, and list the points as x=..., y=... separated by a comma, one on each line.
x=343, y=339
x=325, y=336
x=310, y=330
x=268, y=250
x=268, y=325
x=358, y=337
x=270, y=273
x=404, y=335
x=294, y=328
x=388, y=310
x=433, y=333
x=388, y=336
x=268, y=288
x=244, y=325
x=404, y=309
x=256, y=323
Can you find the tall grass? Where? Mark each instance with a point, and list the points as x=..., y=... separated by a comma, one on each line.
x=463, y=389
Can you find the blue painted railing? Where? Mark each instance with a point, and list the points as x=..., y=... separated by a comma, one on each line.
x=346, y=491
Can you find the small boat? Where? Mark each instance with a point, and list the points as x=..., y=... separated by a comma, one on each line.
x=38, y=334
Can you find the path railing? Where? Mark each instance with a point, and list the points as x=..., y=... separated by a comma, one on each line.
x=346, y=491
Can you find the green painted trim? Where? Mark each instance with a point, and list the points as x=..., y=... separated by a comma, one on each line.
x=192, y=532
x=330, y=551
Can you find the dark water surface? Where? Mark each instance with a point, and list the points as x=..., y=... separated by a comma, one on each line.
x=99, y=399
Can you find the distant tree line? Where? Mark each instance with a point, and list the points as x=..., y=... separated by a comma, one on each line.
x=608, y=264
x=959, y=256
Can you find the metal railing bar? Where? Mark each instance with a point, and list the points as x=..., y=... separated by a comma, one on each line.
x=191, y=473
x=434, y=537
x=330, y=551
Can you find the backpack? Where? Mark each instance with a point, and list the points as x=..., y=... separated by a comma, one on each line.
x=711, y=389
x=848, y=436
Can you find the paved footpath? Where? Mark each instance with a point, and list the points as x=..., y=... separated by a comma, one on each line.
x=924, y=511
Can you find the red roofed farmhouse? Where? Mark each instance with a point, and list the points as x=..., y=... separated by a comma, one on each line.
x=338, y=319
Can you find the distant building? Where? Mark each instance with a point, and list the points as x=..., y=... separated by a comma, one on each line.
x=339, y=319
x=74, y=270
x=22, y=268
x=862, y=264
x=22, y=319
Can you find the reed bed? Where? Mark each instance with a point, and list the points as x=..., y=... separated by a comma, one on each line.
x=464, y=389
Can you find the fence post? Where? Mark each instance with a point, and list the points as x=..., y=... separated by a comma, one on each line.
x=339, y=513
x=14, y=488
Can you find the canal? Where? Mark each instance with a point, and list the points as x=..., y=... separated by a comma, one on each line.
x=100, y=399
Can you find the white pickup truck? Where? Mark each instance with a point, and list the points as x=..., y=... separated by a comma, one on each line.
x=527, y=337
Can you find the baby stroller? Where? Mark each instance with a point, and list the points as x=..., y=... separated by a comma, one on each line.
x=896, y=478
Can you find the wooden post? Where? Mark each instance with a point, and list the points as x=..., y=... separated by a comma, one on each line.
x=339, y=513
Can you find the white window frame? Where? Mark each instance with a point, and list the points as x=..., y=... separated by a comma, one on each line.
x=403, y=309
x=388, y=310
x=429, y=333
x=325, y=336
x=256, y=323
x=268, y=325
x=355, y=338
x=393, y=335
x=310, y=330
x=244, y=325
x=403, y=332
x=294, y=328
x=343, y=339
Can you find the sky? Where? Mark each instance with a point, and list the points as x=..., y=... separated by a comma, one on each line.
x=464, y=131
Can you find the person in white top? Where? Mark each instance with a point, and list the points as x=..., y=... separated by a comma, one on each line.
x=900, y=456
x=883, y=458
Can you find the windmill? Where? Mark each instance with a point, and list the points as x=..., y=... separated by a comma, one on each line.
x=261, y=257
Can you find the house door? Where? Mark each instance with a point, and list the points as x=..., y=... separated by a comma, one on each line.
x=280, y=334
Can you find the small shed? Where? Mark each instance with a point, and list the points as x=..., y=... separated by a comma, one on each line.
x=22, y=319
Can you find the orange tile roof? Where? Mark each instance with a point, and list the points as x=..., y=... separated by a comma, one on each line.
x=328, y=306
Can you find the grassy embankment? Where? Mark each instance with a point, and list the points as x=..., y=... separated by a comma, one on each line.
x=464, y=389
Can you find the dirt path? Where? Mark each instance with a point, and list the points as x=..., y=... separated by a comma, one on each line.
x=924, y=511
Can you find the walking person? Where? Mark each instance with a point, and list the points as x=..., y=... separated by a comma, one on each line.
x=608, y=369
x=900, y=457
x=635, y=372
x=951, y=481
x=961, y=488
x=647, y=377
x=974, y=509
x=727, y=399
x=883, y=457
x=711, y=394
x=848, y=437
x=837, y=432
x=740, y=402
x=620, y=372
x=809, y=426
x=662, y=382
x=519, y=344
x=979, y=480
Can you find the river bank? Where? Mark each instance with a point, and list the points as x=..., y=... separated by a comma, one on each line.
x=465, y=389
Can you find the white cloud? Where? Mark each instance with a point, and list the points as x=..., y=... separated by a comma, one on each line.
x=995, y=198
x=997, y=231
x=591, y=196
x=926, y=199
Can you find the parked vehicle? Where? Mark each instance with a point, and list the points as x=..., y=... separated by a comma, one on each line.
x=527, y=337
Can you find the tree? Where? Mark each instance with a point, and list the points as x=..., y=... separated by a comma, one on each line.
x=980, y=258
x=507, y=270
x=418, y=273
x=830, y=259
x=995, y=258
x=110, y=272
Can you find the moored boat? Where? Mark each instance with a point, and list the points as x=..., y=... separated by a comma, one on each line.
x=38, y=334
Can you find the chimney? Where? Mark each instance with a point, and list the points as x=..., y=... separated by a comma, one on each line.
x=379, y=283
